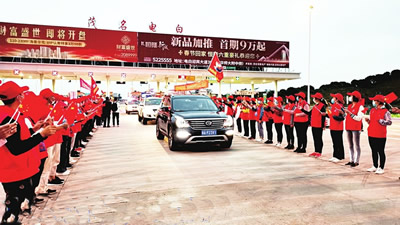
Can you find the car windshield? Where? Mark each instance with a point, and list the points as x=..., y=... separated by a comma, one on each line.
x=133, y=102
x=193, y=104
x=153, y=101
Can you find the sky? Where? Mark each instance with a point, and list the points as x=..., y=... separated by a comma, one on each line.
x=350, y=39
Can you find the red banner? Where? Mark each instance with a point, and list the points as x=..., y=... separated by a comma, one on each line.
x=179, y=49
x=54, y=42
x=192, y=86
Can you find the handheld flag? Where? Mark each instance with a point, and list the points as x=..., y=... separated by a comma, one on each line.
x=93, y=88
x=85, y=85
x=216, y=68
x=390, y=98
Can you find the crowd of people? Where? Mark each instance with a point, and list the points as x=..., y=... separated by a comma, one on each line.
x=296, y=114
x=41, y=137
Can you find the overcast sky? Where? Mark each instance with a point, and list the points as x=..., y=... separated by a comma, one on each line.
x=350, y=39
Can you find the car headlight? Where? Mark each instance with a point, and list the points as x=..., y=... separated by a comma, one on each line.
x=228, y=122
x=180, y=122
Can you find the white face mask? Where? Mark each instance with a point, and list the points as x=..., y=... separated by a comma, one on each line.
x=373, y=103
x=276, y=102
x=351, y=99
x=259, y=102
x=297, y=98
x=333, y=101
x=315, y=101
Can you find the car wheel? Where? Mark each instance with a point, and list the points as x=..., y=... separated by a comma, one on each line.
x=160, y=136
x=173, y=146
x=144, y=121
x=227, y=144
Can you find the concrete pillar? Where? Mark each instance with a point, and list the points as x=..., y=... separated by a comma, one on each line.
x=166, y=84
x=41, y=81
x=252, y=90
x=219, y=89
x=276, y=88
x=54, y=84
x=108, y=85
x=158, y=86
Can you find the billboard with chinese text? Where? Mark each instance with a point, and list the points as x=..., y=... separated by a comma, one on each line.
x=54, y=42
x=195, y=50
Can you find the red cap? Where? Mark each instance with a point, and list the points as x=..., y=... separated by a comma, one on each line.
x=10, y=90
x=338, y=96
x=355, y=94
x=261, y=98
x=279, y=98
x=317, y=96
x=47, y=93
x=379, y=98
x=290, y=97
x=270, y=99
x=247, y=98
x=214, y=97
x=230, y=97
x=301, y=94
x=253, y=99
x=239, y=98
x=224, y=98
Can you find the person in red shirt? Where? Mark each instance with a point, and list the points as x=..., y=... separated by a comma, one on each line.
x=238, y=114
x=253, y=118
x=229, y=106
x=246, y=116
x=278, y=119
x=301, y=123
x=268, y=118
x=377, y=130
x=288, y=121
x=318, y=114
x=353, y=124
x=336, y=117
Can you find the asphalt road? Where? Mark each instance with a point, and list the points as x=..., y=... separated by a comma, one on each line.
x=127, y=176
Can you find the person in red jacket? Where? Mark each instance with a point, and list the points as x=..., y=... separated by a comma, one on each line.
x=301, y=122
x=246, y=116
x=378, y=121
x=353, y=124
x=253, y=118
x=278, y=119
x=318, y=114
x=229, y=106
x=288, y=121
x=269, y=119
x=336, y=117
x=19, y=160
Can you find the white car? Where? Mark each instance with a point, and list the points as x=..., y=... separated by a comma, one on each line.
x=131, y=106
x=148, y=109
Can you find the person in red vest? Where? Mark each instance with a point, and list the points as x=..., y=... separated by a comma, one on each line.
x=269, y=119
x=278, y=119
x=301, y=122
x=246, y=116
x=229, y=106
x=318, y=114
x=253, y=119
x=238, y=114
x=260, y=108
x=378, y=121
x=336, y=117
x=19, y=160
x=353, y=124
x=288, y=121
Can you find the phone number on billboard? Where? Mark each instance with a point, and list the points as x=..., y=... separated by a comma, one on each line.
x=162, y=60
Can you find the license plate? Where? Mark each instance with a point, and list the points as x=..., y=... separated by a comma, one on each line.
x=208, y=132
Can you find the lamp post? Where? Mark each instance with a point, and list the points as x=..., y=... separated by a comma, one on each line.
x=309, y=54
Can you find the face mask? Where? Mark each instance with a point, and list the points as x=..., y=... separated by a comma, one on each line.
x=297, y=98
x=315, y=101
x=275, y=102
x=259, y=102
x=333, y=101
x=351, y=99
x=287, y=101
x=373, y=104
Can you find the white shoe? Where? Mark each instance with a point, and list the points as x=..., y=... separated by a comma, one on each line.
x=25, y=205
x=67, y=172
x=72, y=161
x=380, y=171
x=372, y=169
x=91, y=133
x=84, y=143
x=335, y=160
x=331, y=159
x=259, y=140
x=11, y=219
x=278, y=145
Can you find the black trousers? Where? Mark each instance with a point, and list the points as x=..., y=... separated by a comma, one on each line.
x=64, y=154
x=338, y=148
x=378, y=151
x=317, y=136
x=98, y=120
x=278, y=128
x=253, y=128
x=16, y=193
x=239, y=124
x=106, y=119
x=246, y=127
x=115, y=116
x=289, y=134
x=269, y=124
x=36, y=177
x=301, y=133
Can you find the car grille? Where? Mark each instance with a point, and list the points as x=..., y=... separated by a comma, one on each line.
x=205, y=124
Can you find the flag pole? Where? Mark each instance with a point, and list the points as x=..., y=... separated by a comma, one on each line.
x=309, y=55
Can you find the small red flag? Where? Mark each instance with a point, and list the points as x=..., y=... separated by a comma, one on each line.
x=70, y=113
x=57, y=111
x=85, y=85
x=93, y=88
x=216, y=68
x=390, y=98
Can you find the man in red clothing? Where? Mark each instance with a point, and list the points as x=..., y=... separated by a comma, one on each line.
x=288, y=120
x=377, y=130
x=318, y=114
x=336, y=117
x=301, y=122
x=278, y=119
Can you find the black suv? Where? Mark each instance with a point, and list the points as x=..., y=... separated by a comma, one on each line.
x=190, y=119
